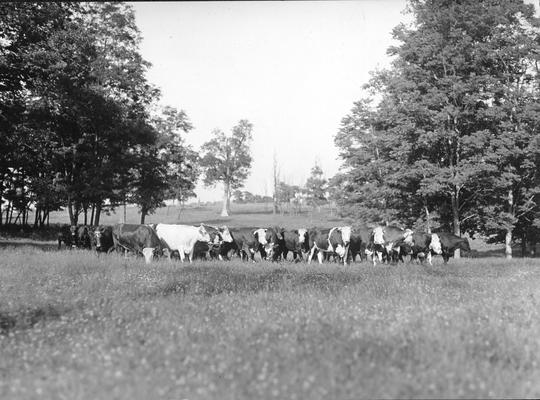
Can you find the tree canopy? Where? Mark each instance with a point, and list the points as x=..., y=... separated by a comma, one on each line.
x=76, y=125
x=227, y=159
x=447, y=136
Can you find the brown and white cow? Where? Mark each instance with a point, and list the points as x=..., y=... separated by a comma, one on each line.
x=424, y=244
x=385, y=239
x=333, y=240
x=139, y=239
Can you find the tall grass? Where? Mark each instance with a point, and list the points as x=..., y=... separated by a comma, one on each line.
x=78, y=326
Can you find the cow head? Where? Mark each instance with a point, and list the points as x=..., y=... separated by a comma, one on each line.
x=148, y=253
x=203, y=235
x=464, y=245
x=408, y=237
x=435, y=244
x=225, y=234
x=302, y=236
x=378, y=235
x=260, y=235
x=345, y=234
x=97, y=238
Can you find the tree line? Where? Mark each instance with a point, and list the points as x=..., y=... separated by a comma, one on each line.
x=448, y=135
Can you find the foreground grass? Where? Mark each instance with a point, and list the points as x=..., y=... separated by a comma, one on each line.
x=77, y=326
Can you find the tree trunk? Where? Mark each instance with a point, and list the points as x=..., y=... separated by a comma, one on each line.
x=523, y=245
x=226, y=208
x=72, y=220
x=93, y=214
x=508, y=244
x=97, y=214
x=11, y=213
x=143, y=215
x=7, y=211
x=37, y=217
x=44, y=217
x=455, y=217
x=428, y=222
x=509, y=231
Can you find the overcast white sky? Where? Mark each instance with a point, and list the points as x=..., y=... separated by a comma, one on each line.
x=293, y=69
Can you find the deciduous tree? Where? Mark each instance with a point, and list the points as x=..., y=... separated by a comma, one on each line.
x=227, y=159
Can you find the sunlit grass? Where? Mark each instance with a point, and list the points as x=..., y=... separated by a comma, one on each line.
x=75, y=325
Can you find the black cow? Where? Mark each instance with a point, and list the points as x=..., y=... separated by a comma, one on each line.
x=246, y=242
x=217, y=247
x=84, y=237
x=360, y=236
x=329, y=241
x=450, y=243
x=295, y=241
x=68, y=235
x=103, y=239
x=139, y=239
x=269, y=246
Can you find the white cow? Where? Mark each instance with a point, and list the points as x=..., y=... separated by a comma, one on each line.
x=181, y=238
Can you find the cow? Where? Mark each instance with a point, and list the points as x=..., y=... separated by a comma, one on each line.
x=219, y=238
x=331, y=240
x=423, y=245
x=181, y=238
x=296, y=241
x=84, y=237
x=385, y=239
x=103, y=239
x=450, y=243
x=68, y=235
x=140, y=239
x=248, y=241
x=269, y=245
x=360, y=236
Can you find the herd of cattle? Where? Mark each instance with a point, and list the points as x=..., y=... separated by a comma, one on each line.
x=345, y=243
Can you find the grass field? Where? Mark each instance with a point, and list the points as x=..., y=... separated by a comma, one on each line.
x=77, y=326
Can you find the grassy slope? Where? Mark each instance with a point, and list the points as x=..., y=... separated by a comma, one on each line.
x=75, y=325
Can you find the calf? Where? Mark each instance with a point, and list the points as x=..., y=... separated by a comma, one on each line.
x=450, y=243
x=140, y=239
x=181, y=238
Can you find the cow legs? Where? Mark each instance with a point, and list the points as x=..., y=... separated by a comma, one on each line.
x=311, y=252
x=429, y=258
x=181, y=254
x=320, y=257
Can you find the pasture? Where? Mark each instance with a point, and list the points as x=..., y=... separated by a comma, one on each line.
x=81, y=326
x=76, y=325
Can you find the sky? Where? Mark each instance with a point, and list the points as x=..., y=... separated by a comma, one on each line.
x=293, y=69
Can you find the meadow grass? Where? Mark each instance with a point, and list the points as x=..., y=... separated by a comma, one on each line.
x=75, y=325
